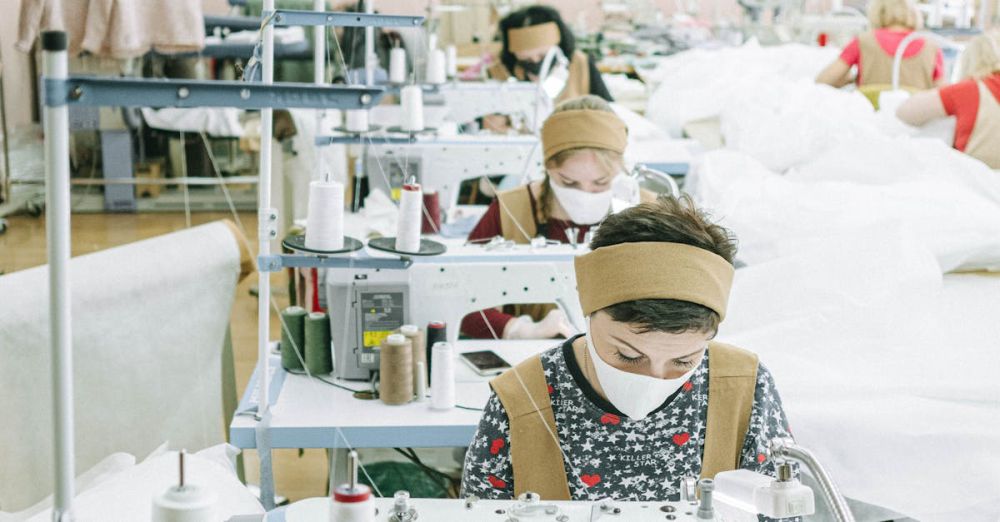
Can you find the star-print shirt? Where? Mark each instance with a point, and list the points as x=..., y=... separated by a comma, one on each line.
x=613, y=455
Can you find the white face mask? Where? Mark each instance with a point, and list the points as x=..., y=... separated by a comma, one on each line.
x=582, y=207
x=633, y=394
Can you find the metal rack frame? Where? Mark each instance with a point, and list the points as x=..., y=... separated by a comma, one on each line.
x=61, y=91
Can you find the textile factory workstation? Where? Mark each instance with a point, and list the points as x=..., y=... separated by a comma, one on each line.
x=510, y=296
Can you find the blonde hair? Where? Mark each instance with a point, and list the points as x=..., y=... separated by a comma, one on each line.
x=982, y=55
x=887, y=13
x=611, y=161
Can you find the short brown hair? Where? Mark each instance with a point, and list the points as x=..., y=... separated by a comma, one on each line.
x=669, y=220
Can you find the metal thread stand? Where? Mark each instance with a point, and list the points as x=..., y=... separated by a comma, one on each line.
x=60, y=91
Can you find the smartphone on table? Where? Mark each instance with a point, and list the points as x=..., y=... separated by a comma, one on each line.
x=485, y=362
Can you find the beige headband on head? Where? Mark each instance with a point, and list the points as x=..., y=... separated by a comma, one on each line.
x=584, y=128
x=521, y=39
x=653, y=270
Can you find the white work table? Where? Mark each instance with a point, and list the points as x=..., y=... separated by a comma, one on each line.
x=312, y=414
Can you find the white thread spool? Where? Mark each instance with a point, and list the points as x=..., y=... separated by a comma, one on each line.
x=412, y=100
x=352, y=502
x=357, y=120
x=325, y=218
x=442, y=377
x=436, y=67
x=420, y=381
x=451, y=61
x=397, y=65
x=411, y=202
x=184, y=502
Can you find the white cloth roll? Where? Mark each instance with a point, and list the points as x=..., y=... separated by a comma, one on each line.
x=397, y=65
x=412, y=100
x=411, y=203
x=436, y=67
x=451, y=61
x=357, y=120
x=442, y=377
x=325, y=218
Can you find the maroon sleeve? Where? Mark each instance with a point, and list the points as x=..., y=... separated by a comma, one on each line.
x=489, y=225
x=474, y=327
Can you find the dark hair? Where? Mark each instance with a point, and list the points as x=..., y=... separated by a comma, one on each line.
x=670, y=220
x=352, y=42
x=534, y=15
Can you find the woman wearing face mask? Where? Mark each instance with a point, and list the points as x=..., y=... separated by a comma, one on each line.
x=527, y=36
x=583, y=143
x=625, y=411
x=974, y=102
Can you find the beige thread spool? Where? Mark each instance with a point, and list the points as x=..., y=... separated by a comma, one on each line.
x=396, y=370
x=418, y=339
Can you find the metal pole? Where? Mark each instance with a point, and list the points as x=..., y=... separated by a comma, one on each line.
x=57, y=228
x=319, y=78
x=266, y=219
x=370, y=57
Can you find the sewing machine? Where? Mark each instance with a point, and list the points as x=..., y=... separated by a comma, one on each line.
x=467, y=101
x=366, y=304
x=443, y=163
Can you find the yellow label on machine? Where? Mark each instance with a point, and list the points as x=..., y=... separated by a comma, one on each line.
x=375, y=338
x=397, y=194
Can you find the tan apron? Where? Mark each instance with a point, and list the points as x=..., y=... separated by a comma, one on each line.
x=984, y=143
x=916, y=71
x=578, y=83
x=535, y=455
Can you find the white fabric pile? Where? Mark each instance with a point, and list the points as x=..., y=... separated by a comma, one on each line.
x=697, y=84
x=117, y=488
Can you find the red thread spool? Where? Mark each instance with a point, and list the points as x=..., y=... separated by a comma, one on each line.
x=430, y=221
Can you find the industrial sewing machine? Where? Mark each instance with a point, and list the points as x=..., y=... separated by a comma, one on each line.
x=372, y=296
x=443, y=163
x=733, y=496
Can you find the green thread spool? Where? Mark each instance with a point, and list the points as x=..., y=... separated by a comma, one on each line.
x=318, y=358
x=293, y=337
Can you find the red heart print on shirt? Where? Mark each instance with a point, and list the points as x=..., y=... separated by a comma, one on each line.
x=681, y=438
x=687, y=386
x=496, y=446
x=496, y=483
x=610, y=418
x=761, y=458
x=551, y=389
x=591, y=480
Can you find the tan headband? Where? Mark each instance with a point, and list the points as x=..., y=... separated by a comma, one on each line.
x=521, y=39
x=584, y=128
x=653, y=270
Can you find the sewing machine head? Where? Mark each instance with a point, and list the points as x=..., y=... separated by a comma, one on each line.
x=366, y=304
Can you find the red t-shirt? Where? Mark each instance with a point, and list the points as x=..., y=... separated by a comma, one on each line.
x=961, y=100
x=889, y=41
x=489, y=227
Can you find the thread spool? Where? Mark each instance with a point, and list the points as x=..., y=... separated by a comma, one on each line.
x=436, y=67
x=419, y=341
x=357, y=120
x=430, y=217
x=412, y=100
x=396, y=370
x=319, y=360
x=420, y=381
x=184, y=502
x=451, y=61
x=443, y=378
x=411, y=203
x=352, y=502
x=437, y=332
x=325, y=218
x=293, y=337
x=397, y=65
